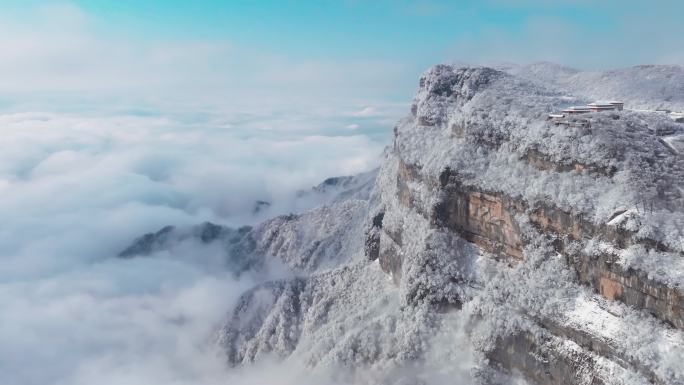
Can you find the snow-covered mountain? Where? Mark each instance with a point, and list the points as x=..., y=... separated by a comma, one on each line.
x=640, y=87
x=494, y=244
x=341, y=188
x=332, y=189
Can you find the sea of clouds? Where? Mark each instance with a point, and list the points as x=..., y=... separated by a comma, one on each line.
x=104, y=138
x=77, y=187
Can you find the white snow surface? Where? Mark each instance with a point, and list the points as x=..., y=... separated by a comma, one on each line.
x=640, y=87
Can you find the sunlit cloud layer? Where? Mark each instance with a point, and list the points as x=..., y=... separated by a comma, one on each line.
x=76, y=190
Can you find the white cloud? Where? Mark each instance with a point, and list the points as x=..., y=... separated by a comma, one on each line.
x=366, y=112
x=57, y=55
x=77, y=188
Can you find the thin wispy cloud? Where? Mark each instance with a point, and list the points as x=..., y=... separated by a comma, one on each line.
x=58, y=57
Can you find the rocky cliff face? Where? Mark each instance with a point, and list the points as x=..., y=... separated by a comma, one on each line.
x=597, y=201
x=555, y=252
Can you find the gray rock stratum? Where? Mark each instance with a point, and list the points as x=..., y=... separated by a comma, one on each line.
x=493, y=245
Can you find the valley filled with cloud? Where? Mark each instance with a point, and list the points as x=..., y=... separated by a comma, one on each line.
x=77, y=189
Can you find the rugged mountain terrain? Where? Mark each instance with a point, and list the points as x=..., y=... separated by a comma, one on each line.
x=494, y=244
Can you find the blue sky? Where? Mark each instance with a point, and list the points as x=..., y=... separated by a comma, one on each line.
x=345, y=28
x=332, y=28
x=361, y=49
x=341, y=28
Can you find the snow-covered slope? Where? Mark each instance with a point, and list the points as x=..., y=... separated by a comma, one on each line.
x=640, y=87
x=344, y=187
x=326, y=236
x=494, y=244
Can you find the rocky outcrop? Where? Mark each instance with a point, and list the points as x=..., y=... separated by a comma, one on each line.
x=444, y=84
x=484, y=218
x=542, y=162
x=488, y=219
x=630, y=286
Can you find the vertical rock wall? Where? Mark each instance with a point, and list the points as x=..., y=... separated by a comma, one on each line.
x=488, y=219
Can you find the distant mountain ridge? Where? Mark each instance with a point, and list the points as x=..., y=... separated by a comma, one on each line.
x=640, y=87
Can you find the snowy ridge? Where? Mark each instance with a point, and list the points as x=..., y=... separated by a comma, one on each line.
x=320, y=238
x=640, y=87
x=346, y=187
